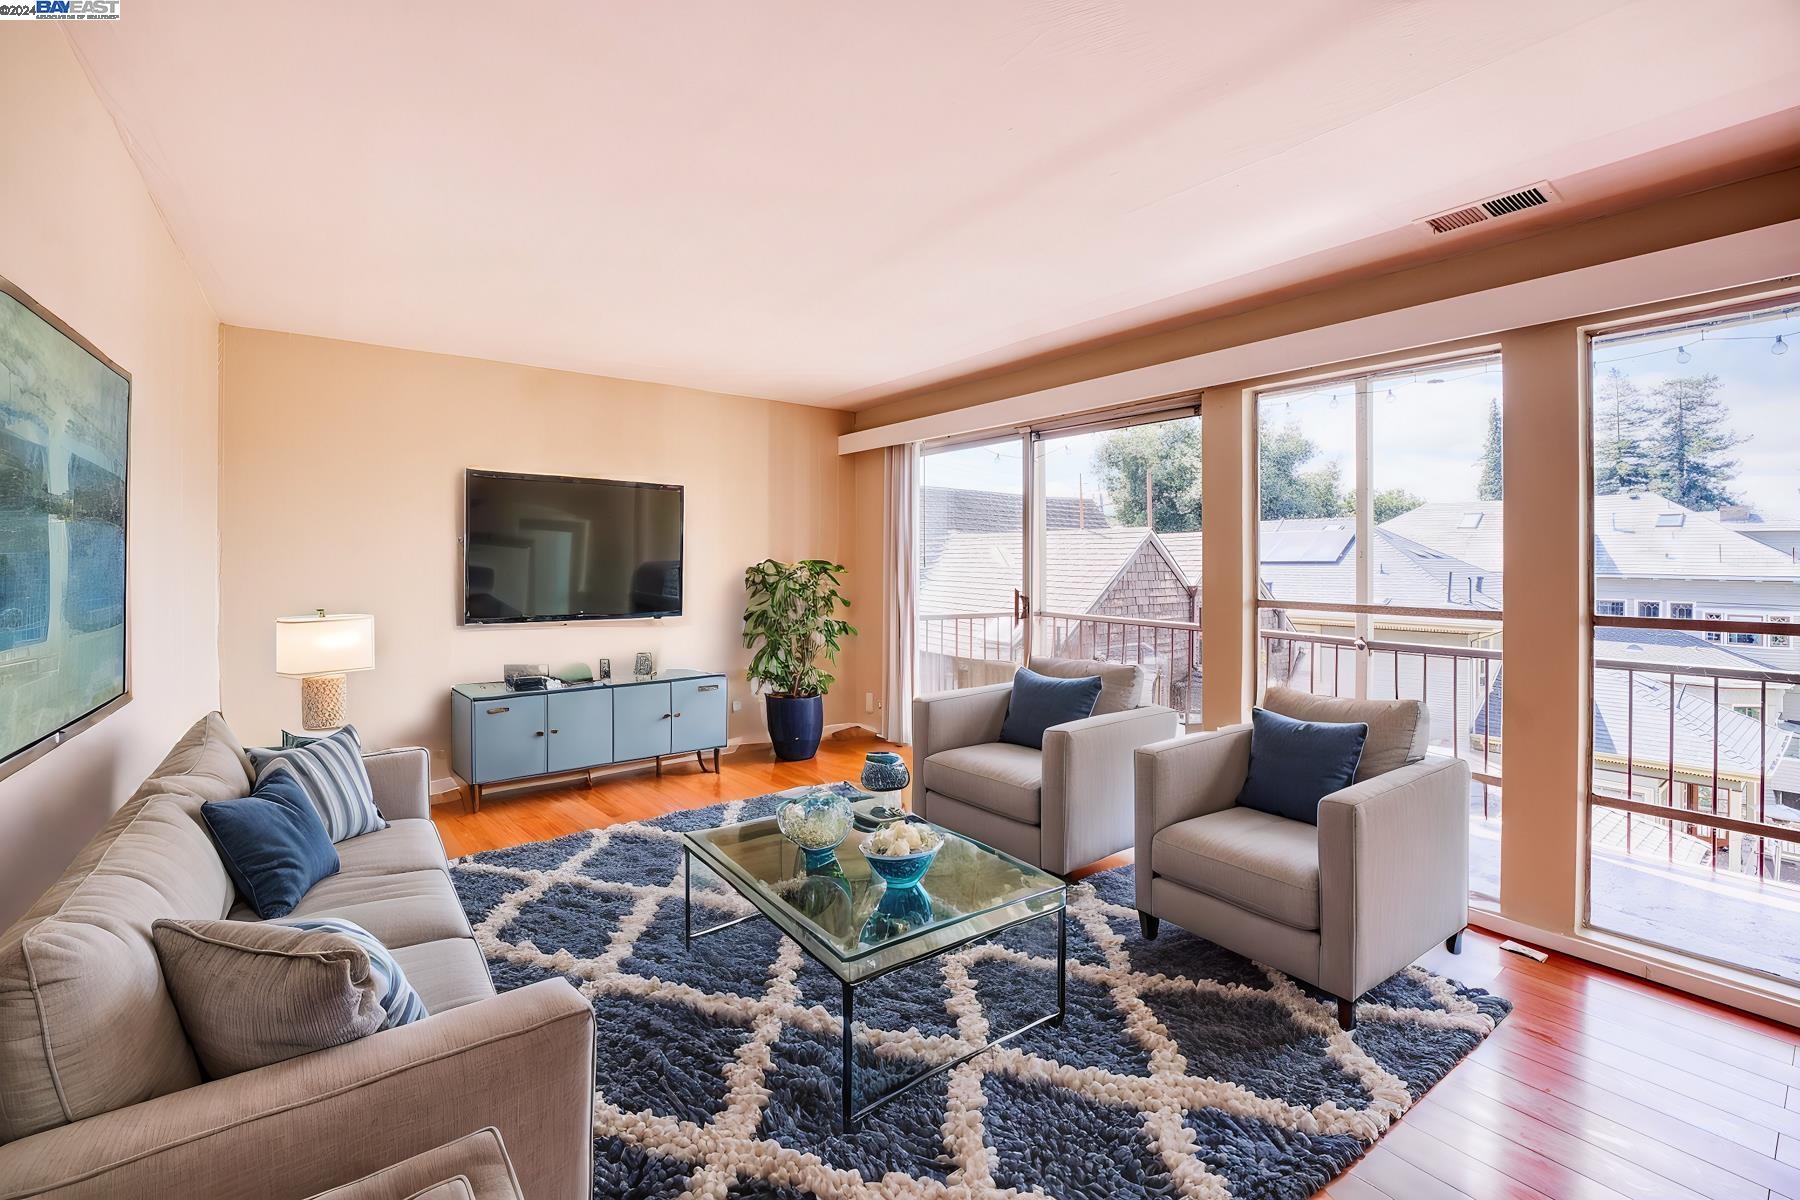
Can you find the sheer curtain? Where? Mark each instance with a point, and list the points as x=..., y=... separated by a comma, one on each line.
x=899, y=587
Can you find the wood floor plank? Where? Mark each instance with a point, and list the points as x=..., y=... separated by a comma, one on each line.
x=1394, y=1176
x=1354, y=1187
x=1445, y=1162
x=1516, y=1157
x=1697, y=1176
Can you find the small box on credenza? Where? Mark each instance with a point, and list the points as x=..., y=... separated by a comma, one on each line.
x=527, y=677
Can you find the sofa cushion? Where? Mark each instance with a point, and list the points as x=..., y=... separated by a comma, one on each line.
x=1399, y=730
x=332, y=772
x=447, y=973
x=86, y=1023
x=399, y=999
x=1039, y=702
x=405, y=845
x=1260, y=862
x=1296, y=764
x=1122, y=685
x=207, y=762
x=402, y=908
x=1002, y=778
x=476, y=1162
x=254, y=993
x=271, y=843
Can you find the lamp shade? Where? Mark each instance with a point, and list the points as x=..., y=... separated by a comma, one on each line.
x=324, y=644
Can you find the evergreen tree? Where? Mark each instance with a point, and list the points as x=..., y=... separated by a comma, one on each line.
x=1622, y=428
x=1390, y=503
x=1167, y=453
x=1287, y=490
x=1690, y=441
x=1491, y=486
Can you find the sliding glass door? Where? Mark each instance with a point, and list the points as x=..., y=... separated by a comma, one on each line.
x=971, y=602
x=1694, y=804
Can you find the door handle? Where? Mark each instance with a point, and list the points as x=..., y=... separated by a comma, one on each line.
x=1021, y=605
x=666, y=716
x=556, y=731
x=674, y=714
x=537, y=733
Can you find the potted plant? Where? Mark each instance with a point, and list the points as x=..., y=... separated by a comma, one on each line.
x=790, y=621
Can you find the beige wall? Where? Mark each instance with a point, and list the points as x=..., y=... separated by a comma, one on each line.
x=341, y=488
x=84, y=239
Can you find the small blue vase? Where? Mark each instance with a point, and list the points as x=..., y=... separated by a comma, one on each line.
x=885, y=771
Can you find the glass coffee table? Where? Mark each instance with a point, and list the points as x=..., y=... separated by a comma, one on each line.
x=860, y=930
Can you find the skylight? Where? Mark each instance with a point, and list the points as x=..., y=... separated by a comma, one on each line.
x=1670, y=520
x=1469, y=521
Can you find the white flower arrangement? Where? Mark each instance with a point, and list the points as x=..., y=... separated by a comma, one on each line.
x=902, y=838
x=815, y=830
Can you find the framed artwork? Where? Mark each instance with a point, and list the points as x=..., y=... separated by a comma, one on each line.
x=65, y=412
x=605, y=672
x=645, y=665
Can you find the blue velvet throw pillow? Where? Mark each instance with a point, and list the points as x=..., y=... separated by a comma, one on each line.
x=1038, y=702
x=273, y=844
x=1296, y=764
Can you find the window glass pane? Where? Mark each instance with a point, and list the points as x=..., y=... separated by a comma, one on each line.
x=1120, y=576
x=1697, y=493
x=971, y=554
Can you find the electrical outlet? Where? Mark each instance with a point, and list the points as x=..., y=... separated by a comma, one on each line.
x=737, y=706
x=868, y=702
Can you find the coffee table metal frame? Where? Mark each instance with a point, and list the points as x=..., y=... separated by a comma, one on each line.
x=852, y=1115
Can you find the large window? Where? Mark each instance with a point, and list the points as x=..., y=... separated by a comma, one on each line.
x=1694, y=808
x=1078, y=542
x=1379, y=556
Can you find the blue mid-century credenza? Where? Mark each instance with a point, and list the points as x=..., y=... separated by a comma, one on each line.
x=498, y=735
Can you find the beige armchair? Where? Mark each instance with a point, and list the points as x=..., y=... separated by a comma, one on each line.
x=1058, y=808
x=1341, y=905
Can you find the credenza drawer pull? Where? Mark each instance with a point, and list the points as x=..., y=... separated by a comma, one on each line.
x=494, y=712
x=707, y=687
x=539, y=733
x=675, y=714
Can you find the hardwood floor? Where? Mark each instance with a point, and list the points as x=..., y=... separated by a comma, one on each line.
x=1598, y=1086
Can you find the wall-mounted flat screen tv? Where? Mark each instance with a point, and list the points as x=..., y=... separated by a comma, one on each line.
x=64, y=411
x=557, y=548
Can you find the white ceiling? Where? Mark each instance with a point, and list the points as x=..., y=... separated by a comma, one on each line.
x=829, y=202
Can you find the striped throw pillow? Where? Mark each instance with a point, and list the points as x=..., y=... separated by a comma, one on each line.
x=396, y=996
x=332, y=775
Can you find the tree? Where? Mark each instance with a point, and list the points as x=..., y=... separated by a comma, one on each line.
x=1391, y=502
x=1492, y=486
x=1287, y=490
x=1689, y=443
x=1622, y=426
x=1168, y=454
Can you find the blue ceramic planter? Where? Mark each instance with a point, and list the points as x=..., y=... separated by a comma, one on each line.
x=795, y=725
x=902, y=870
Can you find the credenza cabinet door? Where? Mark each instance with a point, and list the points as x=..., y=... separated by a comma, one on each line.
x=641, y=721
x=510, y=738
x=581, y=729
x=699, y=708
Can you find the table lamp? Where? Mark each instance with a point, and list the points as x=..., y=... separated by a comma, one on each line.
x=318, y=649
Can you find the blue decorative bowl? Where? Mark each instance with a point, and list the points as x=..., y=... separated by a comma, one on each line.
x=885, y=771
x=817, y=820
x=903, y=870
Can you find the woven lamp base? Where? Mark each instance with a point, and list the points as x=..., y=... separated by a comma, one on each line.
x=322, y=701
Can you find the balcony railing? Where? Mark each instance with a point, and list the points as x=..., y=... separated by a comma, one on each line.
x=959, y=650
x=1169, y=651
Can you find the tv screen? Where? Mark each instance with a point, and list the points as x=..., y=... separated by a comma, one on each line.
x=555, y=548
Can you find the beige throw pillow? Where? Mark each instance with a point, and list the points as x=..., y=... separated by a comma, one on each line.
x=1399, y=730
x=251, y=994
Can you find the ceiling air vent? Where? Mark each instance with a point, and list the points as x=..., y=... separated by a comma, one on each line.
x=1535, y=196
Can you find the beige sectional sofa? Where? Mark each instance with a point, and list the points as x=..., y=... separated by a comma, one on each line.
x=101, y=1094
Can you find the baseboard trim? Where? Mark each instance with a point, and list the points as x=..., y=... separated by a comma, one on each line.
x=1734, y=989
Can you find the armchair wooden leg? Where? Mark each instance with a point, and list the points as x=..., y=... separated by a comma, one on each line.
x=1147, y=925
x=1453, y=943
x=1347, y=1014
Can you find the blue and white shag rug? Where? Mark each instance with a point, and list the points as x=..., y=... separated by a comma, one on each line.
x=1181, y=1070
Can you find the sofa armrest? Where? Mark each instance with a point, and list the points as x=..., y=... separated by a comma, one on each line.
x=1182, y=778
x=949, y=720
x=522, y=1062
x=1393, y=871
x=401, y=779
x=1087, y=783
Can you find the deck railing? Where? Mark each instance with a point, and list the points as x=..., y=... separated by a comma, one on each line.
x=967, y=649
x=1168, y=650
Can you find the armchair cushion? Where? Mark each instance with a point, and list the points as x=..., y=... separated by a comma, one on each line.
x=1038, y=702
x=1257, y=861
x=1399, y=730
x=1002, y=778
x=1122, y=685
x=1296, y=764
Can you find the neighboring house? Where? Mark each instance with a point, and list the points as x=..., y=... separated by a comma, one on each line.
x=1778, y=531
x=944, y=511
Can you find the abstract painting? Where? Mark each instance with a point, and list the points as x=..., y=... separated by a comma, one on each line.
x=64, y=413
